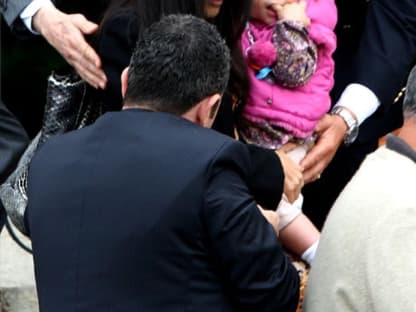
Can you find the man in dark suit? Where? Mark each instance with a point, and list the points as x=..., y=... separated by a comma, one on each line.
x=147, y=209
x=376, y=50
x=63, y=32
x=13, y=141
x=13, y=138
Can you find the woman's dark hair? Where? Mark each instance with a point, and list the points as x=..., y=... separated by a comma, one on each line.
x=150, y=11
x=230, y=22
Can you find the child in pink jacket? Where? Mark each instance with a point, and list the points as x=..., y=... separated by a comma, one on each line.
x=288, y=45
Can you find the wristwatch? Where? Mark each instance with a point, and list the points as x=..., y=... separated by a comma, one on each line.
x=350, y=121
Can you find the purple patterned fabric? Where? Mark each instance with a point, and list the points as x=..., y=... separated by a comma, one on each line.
x=296, y=54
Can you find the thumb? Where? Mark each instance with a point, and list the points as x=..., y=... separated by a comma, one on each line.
x=323, y=123
x=84, y=25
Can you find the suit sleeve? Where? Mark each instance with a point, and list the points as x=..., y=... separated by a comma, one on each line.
x=11, y=9
x=387, y=48
x=13, y=141
x=266, y=177
x=244, y=244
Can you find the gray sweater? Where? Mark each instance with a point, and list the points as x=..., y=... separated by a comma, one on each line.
x=366, y=260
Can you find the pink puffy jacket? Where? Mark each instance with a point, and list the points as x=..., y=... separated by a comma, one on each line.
x=296, y=110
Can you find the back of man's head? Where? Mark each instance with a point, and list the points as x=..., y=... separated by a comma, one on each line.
x=409, y=102
x=177, y=62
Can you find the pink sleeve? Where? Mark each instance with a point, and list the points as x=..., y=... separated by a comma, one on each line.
x=321, y=31
x=323, y=15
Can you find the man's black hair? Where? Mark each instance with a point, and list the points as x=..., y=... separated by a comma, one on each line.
x=177, y=62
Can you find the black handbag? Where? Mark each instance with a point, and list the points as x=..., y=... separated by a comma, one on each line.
x=68, y=107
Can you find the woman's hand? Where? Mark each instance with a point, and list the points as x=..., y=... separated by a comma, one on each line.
x=293, y=173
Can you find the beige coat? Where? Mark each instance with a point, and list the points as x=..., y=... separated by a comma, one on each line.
x=366, y=260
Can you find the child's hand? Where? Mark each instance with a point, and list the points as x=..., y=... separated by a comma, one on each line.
x=294, y=11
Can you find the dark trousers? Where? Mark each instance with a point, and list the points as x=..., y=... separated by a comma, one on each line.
x=13, y=141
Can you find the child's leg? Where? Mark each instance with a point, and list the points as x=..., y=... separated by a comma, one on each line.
x=300, y=237
x=297, y=233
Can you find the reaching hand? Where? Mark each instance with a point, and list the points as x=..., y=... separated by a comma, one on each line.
x=293, y=174
x=66, y=34
x=331, y=131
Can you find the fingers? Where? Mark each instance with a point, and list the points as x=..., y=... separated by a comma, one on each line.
x=306, y=19
x=331, y=130
x=293, y=181
x=88, y=65
x=293, y=187
x=83, y=57
x=86, y=62
x=294, y=11
x=288, y=147
x=66, y=34
x=317, y=159
x=323, y=124
x=314, y=164
x=84, y=25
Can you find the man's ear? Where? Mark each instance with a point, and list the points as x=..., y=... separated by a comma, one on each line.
x=124, y=79
x=207, y=110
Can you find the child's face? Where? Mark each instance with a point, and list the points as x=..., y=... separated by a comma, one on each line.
x=266, y=10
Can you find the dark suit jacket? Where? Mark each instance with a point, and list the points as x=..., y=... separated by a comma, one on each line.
x=13, y=138
x=146, y=211
x=11, y=9
x=13, y=141
x=115, y=44
x=376, y=48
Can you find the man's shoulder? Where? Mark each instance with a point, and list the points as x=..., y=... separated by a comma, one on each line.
x=154, y=129
x=64, y=145
x=384, y=176
x=185, y=132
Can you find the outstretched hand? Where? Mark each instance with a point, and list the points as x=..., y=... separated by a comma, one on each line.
x=65, y=32
x=331, y=131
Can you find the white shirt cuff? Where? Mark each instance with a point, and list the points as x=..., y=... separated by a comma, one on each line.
x=30, y=11
x=360, y=100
